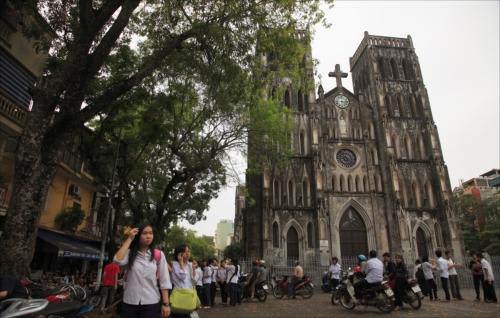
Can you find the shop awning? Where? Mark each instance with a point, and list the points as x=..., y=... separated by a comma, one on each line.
x=70, y=247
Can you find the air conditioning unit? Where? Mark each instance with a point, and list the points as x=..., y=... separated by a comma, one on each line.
x=74, y=190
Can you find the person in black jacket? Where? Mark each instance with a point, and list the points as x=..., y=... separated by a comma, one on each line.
x=400, y=281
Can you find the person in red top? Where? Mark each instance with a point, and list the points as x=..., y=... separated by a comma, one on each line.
x=109, y=284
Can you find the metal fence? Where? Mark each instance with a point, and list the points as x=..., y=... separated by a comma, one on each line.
x=314, y=269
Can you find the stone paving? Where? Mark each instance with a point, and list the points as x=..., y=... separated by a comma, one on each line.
x=319, y=306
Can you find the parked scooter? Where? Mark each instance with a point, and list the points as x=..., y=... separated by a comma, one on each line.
x=413, y=295
x=260, y=292
x=304, y=288
x=20, y=307
x=381, y=296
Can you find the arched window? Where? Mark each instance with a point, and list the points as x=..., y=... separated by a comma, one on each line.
x=437, y=233
x=276, y=193
x=350, y=184
x=291, y=194
x=374, y=156
x=388, y=103
x=397, y=107
x=302, y=144
x=305, y=192
x=379, y=183
x=300, y=97
x=408, y=70
x=416, y=195
x=408, y=147
x=365, y=184
x=334, y=183
x=394, y=69
x=276, y=235
x=310, y=235
x=358, y=185
x=430, y=195
x=395, y=145
x=421, y=145
x=342, y=184
x=288, y=98
x=381, y=68
x=414, y=109
x=420, y=106
x=292, y=244
x=273, y=93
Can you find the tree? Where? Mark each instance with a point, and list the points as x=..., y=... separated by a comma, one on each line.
x=70, y=218
x=201, y=247
x=480, y=223
x=233, y=251
x=84, y=78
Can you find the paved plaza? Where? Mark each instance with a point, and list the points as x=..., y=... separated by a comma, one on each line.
x=319, y=306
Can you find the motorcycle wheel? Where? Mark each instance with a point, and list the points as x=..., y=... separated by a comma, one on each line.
x=346, y=300
x=307, y=292
x=278, y=292
x=261, y=295
x=413, y=300
x=387, y=305
x=335, y=299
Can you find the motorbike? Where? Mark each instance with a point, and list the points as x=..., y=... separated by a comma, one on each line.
x=381, y=296
x=20, y=307
x=305, y=288
x=260, y=292
x=336, y=292
x=413, y=295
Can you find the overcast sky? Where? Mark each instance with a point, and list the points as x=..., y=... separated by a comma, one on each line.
x=457, y=43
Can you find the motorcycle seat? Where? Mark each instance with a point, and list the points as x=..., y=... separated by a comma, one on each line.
x=61, y=308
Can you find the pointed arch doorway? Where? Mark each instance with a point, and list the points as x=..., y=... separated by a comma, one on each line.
x=421, y=243
x=352, y=233
x=292, y=244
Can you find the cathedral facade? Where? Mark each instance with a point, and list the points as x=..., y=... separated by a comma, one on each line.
x=367, y=170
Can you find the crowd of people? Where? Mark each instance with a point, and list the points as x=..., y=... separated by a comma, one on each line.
x=396, y=272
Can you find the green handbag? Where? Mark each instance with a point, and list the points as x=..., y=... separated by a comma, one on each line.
x=184, y=300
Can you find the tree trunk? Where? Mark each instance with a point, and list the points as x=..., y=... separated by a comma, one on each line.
x=35, y=167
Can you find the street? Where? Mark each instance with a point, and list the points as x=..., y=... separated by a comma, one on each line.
x=319, y=306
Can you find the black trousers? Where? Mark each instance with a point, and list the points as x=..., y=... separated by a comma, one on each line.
x=489, y=291
x=432, y=288
x=141, y=311
x=455, y=288
x=399, y=291
x=223, y=292
x=213, y=291
x=234, y=294
x=478, y=280
x=334, y=282
x=444, y=283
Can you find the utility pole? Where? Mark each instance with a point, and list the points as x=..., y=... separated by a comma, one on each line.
x=108, y=214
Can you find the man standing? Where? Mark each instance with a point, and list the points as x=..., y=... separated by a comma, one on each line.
x=389, y=269
x=453, y=276
x=489, y=280
x=334, y=271
x=109, y=284
x=298, y=274
x=442, y=265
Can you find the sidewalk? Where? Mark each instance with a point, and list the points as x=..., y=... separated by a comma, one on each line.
x=320, y=306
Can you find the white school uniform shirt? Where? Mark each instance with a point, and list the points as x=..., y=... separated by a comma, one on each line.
x=487, y=270
x=443, y=268
x=207, y=275
x=427, y=268
x=335, y=271
x=451, y=271
x=230, y=271
x=374, y=270
x=198, y=276
x=182, y=277
x=141, y=286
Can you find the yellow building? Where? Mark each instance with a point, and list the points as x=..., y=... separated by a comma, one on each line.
x=73, y=185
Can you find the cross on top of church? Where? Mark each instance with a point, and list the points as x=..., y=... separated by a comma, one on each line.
x=338, y=75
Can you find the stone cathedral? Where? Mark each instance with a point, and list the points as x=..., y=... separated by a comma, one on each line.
x=367, y=170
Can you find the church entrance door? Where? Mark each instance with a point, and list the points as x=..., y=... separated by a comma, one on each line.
x=292, y=244
x=352, y=232
x=421, y=243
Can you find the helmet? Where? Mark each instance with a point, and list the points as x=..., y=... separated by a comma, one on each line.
x=361, y=258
